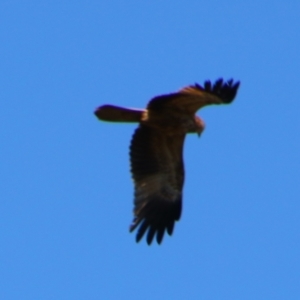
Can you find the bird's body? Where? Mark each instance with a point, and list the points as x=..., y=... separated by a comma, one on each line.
x=156, y=151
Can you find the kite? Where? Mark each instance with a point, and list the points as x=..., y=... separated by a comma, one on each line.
x=156, y=151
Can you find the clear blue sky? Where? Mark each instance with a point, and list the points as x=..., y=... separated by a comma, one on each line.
x=65, y=187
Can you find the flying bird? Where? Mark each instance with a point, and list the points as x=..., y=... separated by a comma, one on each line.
x=156, y=151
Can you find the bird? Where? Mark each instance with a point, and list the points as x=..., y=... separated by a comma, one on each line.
x=156, y=151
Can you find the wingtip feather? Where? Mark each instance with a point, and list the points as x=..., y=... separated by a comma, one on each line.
x=226, y=90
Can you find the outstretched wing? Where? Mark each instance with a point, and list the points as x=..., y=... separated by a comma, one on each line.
x=158, y=173
x=194, y=97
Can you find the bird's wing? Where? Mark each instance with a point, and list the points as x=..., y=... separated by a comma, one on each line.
x=158, y=174
x=193, y=97
x=114, y=113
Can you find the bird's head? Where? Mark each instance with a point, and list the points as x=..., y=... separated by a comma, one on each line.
x=196, y=126
x=200, y=125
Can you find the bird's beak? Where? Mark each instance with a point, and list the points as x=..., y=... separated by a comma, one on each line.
x=199, y=133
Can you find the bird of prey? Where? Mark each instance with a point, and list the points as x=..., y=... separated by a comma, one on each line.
x=156, y=151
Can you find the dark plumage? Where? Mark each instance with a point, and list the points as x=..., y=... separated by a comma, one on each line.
x=156, y=151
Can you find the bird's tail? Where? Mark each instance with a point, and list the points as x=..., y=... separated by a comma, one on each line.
x=113, y=113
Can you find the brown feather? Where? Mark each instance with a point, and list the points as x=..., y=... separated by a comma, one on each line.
x=192, y=98
x=156, y=151
x=158, y=173
x=113, y=113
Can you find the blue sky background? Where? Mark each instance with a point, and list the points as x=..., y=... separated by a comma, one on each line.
x=65, y=187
